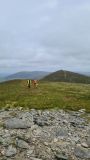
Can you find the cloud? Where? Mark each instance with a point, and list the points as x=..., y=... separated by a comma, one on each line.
x=45, y=35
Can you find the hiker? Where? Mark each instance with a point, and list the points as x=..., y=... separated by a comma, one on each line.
x=35, y=83
x=29, y=83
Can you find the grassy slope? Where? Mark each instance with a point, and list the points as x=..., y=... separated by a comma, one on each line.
x=47, y=95
x=67, y=76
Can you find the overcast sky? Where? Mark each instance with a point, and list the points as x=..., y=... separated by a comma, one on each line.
x=44, y=35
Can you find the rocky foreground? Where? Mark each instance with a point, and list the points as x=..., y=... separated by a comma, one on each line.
x=44, y=135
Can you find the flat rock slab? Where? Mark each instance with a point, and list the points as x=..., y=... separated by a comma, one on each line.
x=15, y=123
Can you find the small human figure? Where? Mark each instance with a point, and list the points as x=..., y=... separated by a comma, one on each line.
x=29, y=83
x=35, y=83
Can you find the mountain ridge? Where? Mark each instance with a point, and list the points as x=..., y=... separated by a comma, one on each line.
x=27, y=75
x=67, y=76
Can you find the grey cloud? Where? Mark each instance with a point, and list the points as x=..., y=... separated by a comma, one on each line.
x=48, y=34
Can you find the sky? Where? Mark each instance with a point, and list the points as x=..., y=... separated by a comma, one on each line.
x=46, y=35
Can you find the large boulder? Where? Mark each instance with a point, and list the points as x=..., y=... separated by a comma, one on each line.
x=17, y=123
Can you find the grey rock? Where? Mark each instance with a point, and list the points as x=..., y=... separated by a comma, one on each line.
x=76, y=121
x=61, y=157
x=84, y=144
x=88, y=141
x=82, y=153
x=44, y=135
x=6, y=141
x=26, y=116
x=4, y=114
x=61, y=132
x=75, y=138
x=11, y=151
x=21, y=144
x=30, y=151
x=1, y=140
x=82, y=110
x=32, y=158
x=17, y=123
x=40, y=121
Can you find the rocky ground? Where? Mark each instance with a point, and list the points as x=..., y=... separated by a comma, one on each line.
x=44, y=135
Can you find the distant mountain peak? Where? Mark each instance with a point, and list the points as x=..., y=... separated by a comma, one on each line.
x=67, y=76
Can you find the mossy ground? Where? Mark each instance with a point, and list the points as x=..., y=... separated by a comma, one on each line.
x=48, y=95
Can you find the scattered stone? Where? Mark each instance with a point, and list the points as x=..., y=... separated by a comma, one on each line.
x=11, y=151
x=29, y=152
x=82, y=110
x=88, y=141
x=61, y=157
x=84, y=145
x=44, y=135
x=61, y=132
x=40, y=121
x=32, y=158
x=82, y=153
x=55, y=140
x=21, y=144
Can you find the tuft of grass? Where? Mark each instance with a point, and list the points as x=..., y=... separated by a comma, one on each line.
x=48, y=95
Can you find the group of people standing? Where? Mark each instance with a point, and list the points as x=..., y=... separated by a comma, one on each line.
x=32, y=82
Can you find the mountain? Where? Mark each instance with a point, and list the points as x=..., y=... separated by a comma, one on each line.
x=1, y=79
x=67, y=76
x=2, y=76
x=85, y=73
x=27, y=75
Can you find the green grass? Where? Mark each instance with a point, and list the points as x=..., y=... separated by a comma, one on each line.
x=48, y=95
